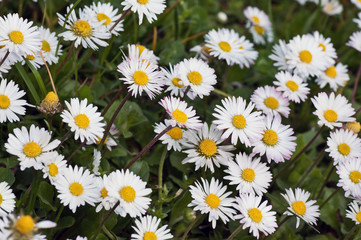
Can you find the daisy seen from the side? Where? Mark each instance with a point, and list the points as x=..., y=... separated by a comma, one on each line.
x=355, y=41
x=7, y=199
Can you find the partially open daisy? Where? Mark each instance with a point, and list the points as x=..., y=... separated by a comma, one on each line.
x=104, y=200
x=259, y=24
x=212, y=198
x=291, y=86
x=355, y=41
x=248, y=54
x=278, y=55
x=149, y=8
x=83, y=119
x=354, y=212
x=147, y=228
x=349, y=172
x=54, y=166
x=305, y=209
x=255, y=214
x=249, y=174
x=336, y=76
x=49, y=42
x=173, y=138
x=7, y=199
x=31, y=147
x=332, y=110
x=331, y=7
x=238, y=120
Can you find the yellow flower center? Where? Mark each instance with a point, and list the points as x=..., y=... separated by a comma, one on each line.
x=149, y=236
x=30, y=57
x=176, y=81
x=76, y=188
x=102, y=17
x=25, y=224
x=344, y=149
x=322, y=46
x=330, y=115
x=16, y=37
x=213, y=200
x=142, y=1
x=4, y=101
x=255, y=214
x=104, y=192
x=32, y=149
x=1, y=199
x=175, y=133
x=299, y=207
x=239, y=121
x=180, y=116
x=208, y=147
x=354, y=126
x=259, y=29
x=292, y=85
x=355, y=176
x=51, y=98
x=141, y=48
x=128, y=193
x=305, y=56
x=271, y=102
x=331, y=72
x=248, y=174
x=270, y=137
x=82, y=120
x=82, y=28
x=195, y=77
x=358, y=216
x=225, y=46
x=53, y=169
x=255, y=19
x=45, y=46
x=140, y=78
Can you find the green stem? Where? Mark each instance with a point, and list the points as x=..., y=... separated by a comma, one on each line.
x=221, y=93
x=325, y=182
x=105, y=219
x=329, y=197
x=160, y=177
x=235, y=233
x=191, y=226
x=351, y=231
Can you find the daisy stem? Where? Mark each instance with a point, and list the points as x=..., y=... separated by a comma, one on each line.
x=351, y=231
x=113, y=99
x=325, y=182
x=356, y=84
x=120, y=19
x=160, y=177
x=329, y=197
x=50, y=77
x=358, y=110
x=279, y=225
x=5, y=57
x=155, y=34
x=193, y=36
x=63, y=139
x=76, y=150
x=221, y=93
x=235, y=233
x=105, y=219
x=148, y=146
x=191, y=226
x=185, y=93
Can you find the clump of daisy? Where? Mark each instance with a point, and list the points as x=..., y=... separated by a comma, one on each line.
x=148, y=228
x=7, y=199
x=54, y=166
x=349, y=172
x=259, y=25
x=336, y=76
x=149, y=8
x=49, y=42
x=50, y=105
x=173, y=138
x=354, y=212
x=291, y=86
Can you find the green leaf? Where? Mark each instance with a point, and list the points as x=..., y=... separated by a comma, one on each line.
x=28, y=82
x=85, y=92
x=46, y=194
x=6, y=175
x=65, y=222
x=37, y=78
x=141, y=168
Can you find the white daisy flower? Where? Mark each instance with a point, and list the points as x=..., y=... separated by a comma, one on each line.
x=277, y=142
x=270, y=101
x=201, y=51
x=109, y=141
x=247, y=53
x=149, y=8
x=173, y=138
x=141, y=52
x=49, y=42
x=34, y=59
x=76, y=187
x=259, y=25
x=278, y=55
x=354, y=212
x=332, y=110
x=331, y=7
x=238, y=120
x=357, y=3
x=349, y=172
x=249, y=174
x=326, y=45
x=130, y=191
x=7, y=199
x=255, y=214
x=291, y=86
x=147, y=228
x=54, y=166
x=212, y=198
x=97, y=156
x=83, y=119
x=355, y=41
x=104, y=200
x=336, y=76
x=31, y=147
x=305, y=209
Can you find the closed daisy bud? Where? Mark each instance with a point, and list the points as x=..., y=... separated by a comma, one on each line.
x=353, y=126
x=50, y=104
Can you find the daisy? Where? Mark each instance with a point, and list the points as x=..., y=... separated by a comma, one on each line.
x=277, y=142
x=332, y=110
x=355, y=127
x=249, y=174
x=349, y=172
x=278, y=55
x=357, y=3
x=259, y=25
x=149, y=8
x=97, y=156
x=147, y=228
x=34, y=59
x=270, y=101
x=7, y=199
x=76, y=187
x=355, y=41
x=31, y=147
x=142, y=52
x=181, y=115
x=331, y=7
x=109, y=141
x=212, y=198
x=291, y=86
x=54, y=166
x=354, y=212
x=49, y=42
x=83, y=119
x=10, y=101
x=201, y=51
x=306, y=210
x=173, y=138
x=50, y=105
x=255, y=215
x=104, y=200
x=327, y=47
x=358, y=20
x=238, y=120
x=247, y=53
x=204, y=148
x=336, y=76
x=130, y=191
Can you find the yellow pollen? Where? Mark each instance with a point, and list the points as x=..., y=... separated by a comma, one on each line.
x=175, y=133
x=82, y=28
x=292, y=85
x=259, y=29
x=355, y=176
x=299, y=207
x=30, y=57
x=176, y=81
x=330, y=115
x=208, y=147
x=239, y=121
x=51, y=98
x=102, y=17
x=1, y=199
x=255, y=19
x=141, y=48
x=82, y=120
x=180, y=116
x=76, y=188
x=16, y=37
x=322, y=46
x=270, y=137
x=53, y=169
x=104, y=192
x=213, y=200
x=140, y=78
x=353, y=126
x=195, y=77
x=25, y=224
x=45, y=46
x=225, y=46
x=358, y=216
x=248, y=174
x=344, y=149
x=142, y=1
x=271, y=102
x=255, y=214
x=305, y=56
x=128, y=193
x=32, y=149
x=240, y=47
x=149, y=236
x=331, y=72
x=4, y=101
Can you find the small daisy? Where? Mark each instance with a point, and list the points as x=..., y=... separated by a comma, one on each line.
x=291, y=86
x=201, y=51
x=238, y=120
x=34, y=59
x=247, y=53
x=349, y=172
x=76, y=187
x=130, y=191
x=270, y=101
x=49, y=42
x=277, y=142
x=147, y=229
x=54, y=166
x=332, y=110
x=354, y=212
x=149, y=8
x=259, y=25
x=7, y=199
x=31, y=147
x=104, y=200
x=278, y=55
x=327, y=47
x=308, y=211
x=255, y=214
x=109, y=141
x=249, y=174
x=173, y=138
x=212, y=198
x=181, y=115
x=357, y=3
x=331, y=7
x=336, y=76
x=355, y=41
x=83, y=119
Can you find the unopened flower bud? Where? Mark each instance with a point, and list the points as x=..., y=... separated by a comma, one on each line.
x=353, y=126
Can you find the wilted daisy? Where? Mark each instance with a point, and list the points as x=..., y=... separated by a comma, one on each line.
x=49, y=42
x=212, y=198
x=248, y=54
x=255, y=214
x=354, y=212
x=31, y=147
x=259, y=25
x=83, y=119
x=305, y=209
x=50, y=105
x=355, y=41
x=173, y=138
x=104, y=200
x=7, y=199
x=54, y=166
x=331, y=7
x=332, y=110
x=327, y=47
x=291, y=86
x=336, y=76
x=357, y=3
x=278, y=55
x=149, y=8
x=349, y=172
x=147, y=228
x=238, y=120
